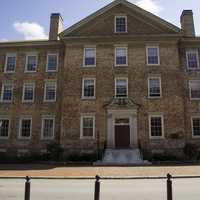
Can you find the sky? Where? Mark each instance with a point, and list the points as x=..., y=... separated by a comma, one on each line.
x=29, y=19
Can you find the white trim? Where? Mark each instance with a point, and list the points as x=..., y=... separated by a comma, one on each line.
x=154, y=77
x=33, y=86
x=26, y=64
x=126, y=21
x=81, y=126
x=20, y=127
x=121, y=78
x=197, y=54
x=193, y=136
x=48, y=81
x=162, y=124
x=2, y=92
x=6, y=62
x=190, y=90
x=95, y=50
x=47, y=62
x=158, y=49
x=83, y=86
x=121, y=47
x=9, y=125
x=44, y=117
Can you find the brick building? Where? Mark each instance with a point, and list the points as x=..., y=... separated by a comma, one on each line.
x=122, y=78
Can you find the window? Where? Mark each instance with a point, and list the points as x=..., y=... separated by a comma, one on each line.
x=50, y=91
x=88, y=127
x=25, y=128
x=194, y=89
x=156, y=127
x=10, y=63
x=52, y=62
x=88, y=90
x=195, y=126
x=4, y=127
x=31, y=63
x=121, y=56
x=121, y=87
x=153, y=57
x=120, y=24
x=7, y=92
x=89, y=57
x=48, y=124
x=154, y=87
x=28, y=92
x=192, y=59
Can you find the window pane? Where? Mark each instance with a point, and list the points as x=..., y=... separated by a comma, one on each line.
x=192, y=60
x=26, y=128
x=121, y=88
x=154, y=84
x=121, y=56
x=152, y=55
x=88, y=88
x=48, y=128
x=52, y=62
x=120, y=24
x=196, y=126
x=50, y=91
x=156, y=126
x=90, y=56
x=87, y=126
x=195, y=89
x=4, y=127
x=11, y=62
x=31, y=63
x=28, y=92
x=7, y=92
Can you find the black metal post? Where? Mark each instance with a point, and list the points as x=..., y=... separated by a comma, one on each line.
x=169, y=187
x=27, y=188
x=97, y=188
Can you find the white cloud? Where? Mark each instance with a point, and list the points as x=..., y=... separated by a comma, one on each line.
x=3, y=40
x=150, y=5
x=30, y=30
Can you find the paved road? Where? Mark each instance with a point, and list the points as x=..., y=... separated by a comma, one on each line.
x=184, y=189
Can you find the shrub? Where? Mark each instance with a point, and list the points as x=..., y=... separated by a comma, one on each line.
x=55, y=151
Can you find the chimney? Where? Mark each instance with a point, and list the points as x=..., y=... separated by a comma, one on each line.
x=56, y=26
x=187, y=23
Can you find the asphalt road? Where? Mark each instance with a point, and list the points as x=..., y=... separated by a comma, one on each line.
x=183, y=189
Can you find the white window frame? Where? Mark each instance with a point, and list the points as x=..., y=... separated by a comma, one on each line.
x=84, y=54
x=6, y=62
x=154, y=77
x=52, y=54
x=194, y=117
x=197, y=54
x=23, y=95
x=120, y=16
x=83, y=86
x=26, y=64
x=147, y=55
x=81, y=126
x=45, y=88
x=20, y=127
x=162, y=124
x=6, y=118
x=190, y=89
x=44, y=117
x=121, y=78
x=2, y=92
x=125, y=47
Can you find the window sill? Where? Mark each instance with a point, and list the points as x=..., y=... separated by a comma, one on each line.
x=9, y=72
x=29, y=72
x=195, y=137
x=154, y=98
x=49, y=101
x=4, y=138
x=27, y=102
x=24, y=138
x=194, y=99
x=157, y=138
x=88, y=66
x=88, y=98
x=47, y=139
x=87, y=138
x=126, y=65
x=6, y=102
x=51, y=71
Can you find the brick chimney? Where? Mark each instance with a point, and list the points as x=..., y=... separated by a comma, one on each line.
x=56, y=26
x=187, y=23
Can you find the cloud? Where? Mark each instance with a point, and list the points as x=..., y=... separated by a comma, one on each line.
x=30, y=30
x=150, y=5
x=3, y=40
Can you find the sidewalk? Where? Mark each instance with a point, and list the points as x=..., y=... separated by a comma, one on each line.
x=56, y=171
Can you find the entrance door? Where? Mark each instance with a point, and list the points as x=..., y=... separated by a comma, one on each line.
x=122, y=133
